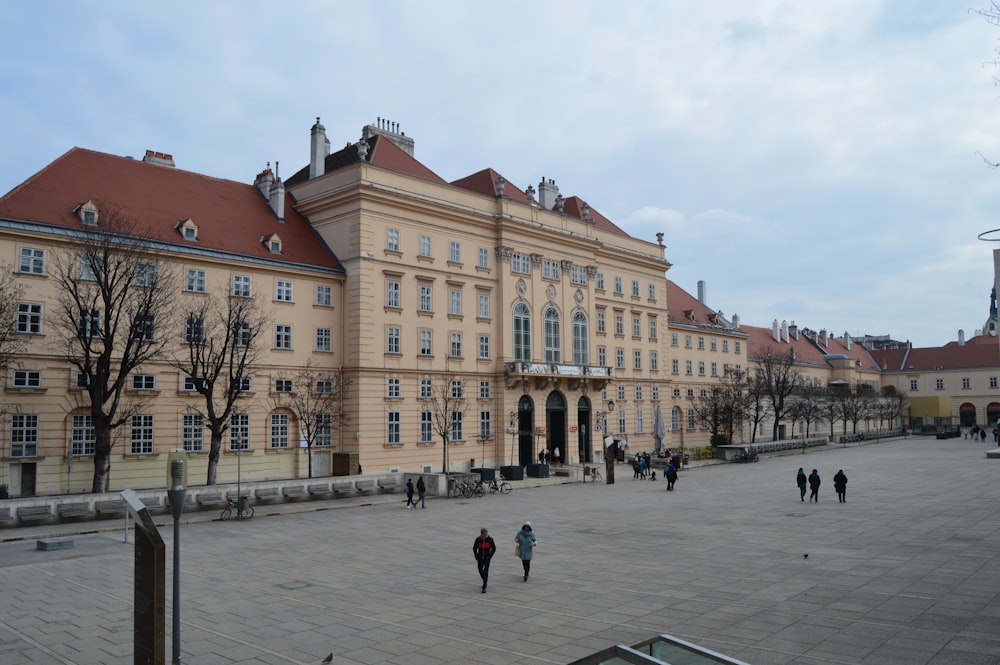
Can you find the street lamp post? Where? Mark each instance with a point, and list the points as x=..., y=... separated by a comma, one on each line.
x=176, y=491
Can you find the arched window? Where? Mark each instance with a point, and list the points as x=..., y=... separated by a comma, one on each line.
x=581, y=353
x=553, y=347
x=522, y=332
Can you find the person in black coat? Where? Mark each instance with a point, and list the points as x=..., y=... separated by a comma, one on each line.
x=670, y=473
x=814, y=486
x=409, y=493
x=484, y=548
x=840, y=485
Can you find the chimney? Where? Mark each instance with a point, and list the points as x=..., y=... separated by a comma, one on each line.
x=319, y=148
x=161, y=158
x=784, y=331
x=701, y=291
x=847, y=340
x=736, y=321
x=390, y=130
x=793, y=331
x=774, y=331
x=263, y=181
x=276, y=197
x=822, y=338
x=961, y=338
x=547, y=193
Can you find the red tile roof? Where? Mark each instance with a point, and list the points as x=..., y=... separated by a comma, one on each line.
x=231, y=216
x=980, y=351
x=381, y=152
x=685, y=308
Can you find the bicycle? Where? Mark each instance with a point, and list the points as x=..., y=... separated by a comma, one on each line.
x=595, y=475
x=501, y=486
x=245, y=509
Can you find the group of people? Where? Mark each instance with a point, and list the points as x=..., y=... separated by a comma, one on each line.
x=485, y=547
x=979, y=433
x=813, y=481
x=547, y=456
x=421, y=493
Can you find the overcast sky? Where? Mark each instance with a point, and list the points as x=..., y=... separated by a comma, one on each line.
x=815, y=162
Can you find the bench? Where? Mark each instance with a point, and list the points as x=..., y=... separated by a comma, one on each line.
x=113, y=507
x=210, y=500
x=48, y=544
x=366, y=485
x=294, y=492
x=563, y=471
x=389, y=485
x=5, y=515
x=343, y=486
x=34, y=513
x=320, y=489
x=72, y=510
x=266, y=493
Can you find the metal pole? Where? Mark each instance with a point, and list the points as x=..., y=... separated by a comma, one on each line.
x=239, y=504
x=176, y=495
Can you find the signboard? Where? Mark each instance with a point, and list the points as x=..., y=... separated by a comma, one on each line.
x=149, y=612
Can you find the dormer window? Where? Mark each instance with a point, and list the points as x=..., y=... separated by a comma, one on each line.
x=188, y=229
x=272, y=242
x=87, y=213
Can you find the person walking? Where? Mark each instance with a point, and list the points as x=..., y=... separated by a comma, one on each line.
x=484, y=548
x=840, y=485
x=409, y=493
x=801, y=481
x=524, y=547
x=670, y=473
x=421, y=493
x=814, y=486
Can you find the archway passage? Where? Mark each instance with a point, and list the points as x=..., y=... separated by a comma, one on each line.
x=584, y=432
x=555, y=426
x=525, y=431
x=992, y=414
x=967, y=415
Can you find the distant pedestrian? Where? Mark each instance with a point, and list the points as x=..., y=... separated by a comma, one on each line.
x=635, y=469
x=670, y=473
x=840, y=485
x=982, y=435
x=421, y=493
x=541, y=457
x=801, y=481
x=525, y=542
x=555, y=455
x=409, y=493
x=484, y=548
x=814, y=486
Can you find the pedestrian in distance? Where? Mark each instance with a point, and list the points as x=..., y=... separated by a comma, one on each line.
x=840, y=485
x=484, y=548
x=541, y=456
x=409, y=493
x=670, y=473
x=524, y=547
x=801, y=481
x=814, y=486
x=421, y=493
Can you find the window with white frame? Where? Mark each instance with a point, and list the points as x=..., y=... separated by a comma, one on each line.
x=725, y=346
x=599, y=281
x=283, y=386
x=715, y=369
x=639, y=422
x=194, y=329
x=652, y=291
x=966, y=383
x=456, y=426
x=484, y=305
x=24, y=435
x=392, y=240
x=621, y=421
x=689, y=367
x=635, y=288
x=602, y=356
x=654, y=361
x=323, y=430
x=581, y=339
x=455, y=302
x=279, y=430
x=619, y=324
x=283, y=290
x=675, y=366
x=484, y=347
x=242, y=286
x=392, y=339
x=701, y=343
x=550, y=269
x=144, y=327
x=87, y=271
x=691, y=418
x=736, y=347
x=655, y=390
x=89, y=323
x=190, y=384
x=29, y=318
x=282, y=336
x=324, y=340
x=426, y=342
x=82, y=438
x=141, y=434
x=241, y=334
x=675, y=420
x=456, y=388
x=652, y=327
x=600, y=321
x=239, y=431
x=673, y=339
x=426, y=427
x=392, y=293
x=27, y=378
x=553, y=335
x=426, y=300
x=424, y=246
x=520, y=263
x=146, y=274
x=687, y=341
x=454, y=251
x=578, y=275
x=426, y=389
x=485, y=389
x=636, y=326
x=31, y=261
x=485, y=426
x=638, y=393
x=701, y=368
x=621, y=393
x=484, y=258
x=193, y=432
x=393, y=428
x=323, y=387
x=194, y=280
x=522, y=332
x=620, y=358
x=456, y=345
x=324, y=295
x=913, y=383
x=392, y=390
x=143, y=382
x=637, y=359
x=712, y=344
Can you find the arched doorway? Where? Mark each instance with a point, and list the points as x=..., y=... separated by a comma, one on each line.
x=555, y=425
x=525, y=431
x=992, y=414
x=967, y=415
x=584, y=432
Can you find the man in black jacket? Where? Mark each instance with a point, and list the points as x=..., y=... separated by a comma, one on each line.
x=484, y=548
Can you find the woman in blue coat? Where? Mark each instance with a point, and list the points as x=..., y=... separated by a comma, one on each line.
x=526, y=542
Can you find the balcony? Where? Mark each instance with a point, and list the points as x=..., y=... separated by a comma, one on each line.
x=539, y=376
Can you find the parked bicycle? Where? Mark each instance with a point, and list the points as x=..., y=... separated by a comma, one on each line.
x=595, y=475
x=245, y=509
x=470, y=488
x=501, y=486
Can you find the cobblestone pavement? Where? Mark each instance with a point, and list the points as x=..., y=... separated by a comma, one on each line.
x=906, y=572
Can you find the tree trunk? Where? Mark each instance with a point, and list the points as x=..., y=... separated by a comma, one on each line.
x=102, y=459
x=214, y=450
x=309, y=455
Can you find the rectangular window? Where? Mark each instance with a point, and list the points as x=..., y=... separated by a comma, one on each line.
x=484, y=305
x=675, y=420
x=283, y=290
x=688, y=367
x=599, y=281
x=455, y=302
x=484, y=258
x=654, y=361
x=712, y=344
x=637, y=359
x=993, y=383
x=242, y=334
x=736, y=347
x=324, y=340
x=392, y=428
x=621, y=421
x=87, y=272
x=550, y=269
x=687, y=341
x=484, y=389
x=620, y=358
x=392, y=339
x=639, y=423
x=636, y=326
x=456, y=345
x=656, y=393
x=324, y=295
x=675, y=366
x=144, y=328
x=701, y=368
x=193, y=432
x=24, y=435
x=194, y=280
x=426, y=302
x=426, y=389
x=239, y=431
x=966, y=383
x=426, y=343
x=602, y=356
x=279, y=430
x=485, y=426
x=242, y=286
x=324, y=430
x=701, y=343
x=652, y=328
x=913, y=383
x=715, y=369
x=621, y=393
x=31, y=261
x=141, y=434
x=456, y=389
x=190, y=384
x=283, y=385
x=425, y=246
x=145, y=274
x=24, y=378
x=456, y=426
x=520, y=264
x=194, y=330
x=691, y=417
x=323, y=387
x=600, y=321
x=392, y=294
x=282, y=336
x=635, y=288
x=89, y=323
x=82, y=438
x=578, y=275
x=619, y=324
x=392, y=240
x=29, y=318
x=392, y=388
x=484, y=347
x=673, y=339
x=618, y=285
x=426, y=427
x=143, y=382
x=652, y=291
x=455, y=251
x=638, y=393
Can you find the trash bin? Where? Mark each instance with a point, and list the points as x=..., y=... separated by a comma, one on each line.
x=485, y=474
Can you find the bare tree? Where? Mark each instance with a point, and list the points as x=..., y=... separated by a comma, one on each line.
x=11, y=291
x=806, y=405
x=317, y=402
x=721, y=406
x=757, y=404
x=777, y=377
x=115, y=302
x=449, y=405
x=854, y=404
x=895, y=404
x=222, y=339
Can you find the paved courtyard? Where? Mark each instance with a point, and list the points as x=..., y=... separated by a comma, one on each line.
x=906, y=572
